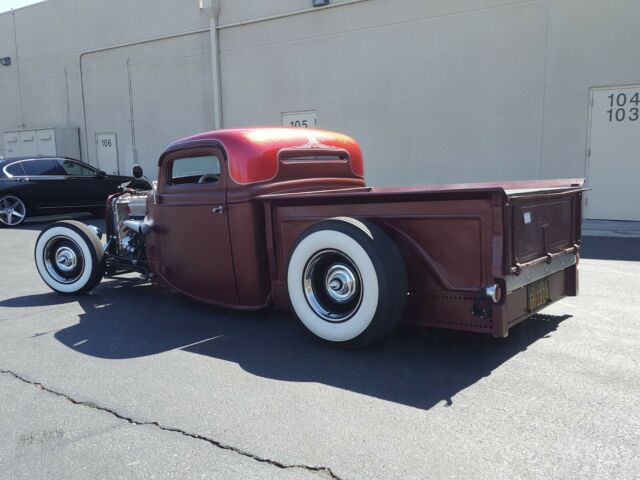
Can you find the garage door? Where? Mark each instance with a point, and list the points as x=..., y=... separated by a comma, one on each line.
x=613, y=171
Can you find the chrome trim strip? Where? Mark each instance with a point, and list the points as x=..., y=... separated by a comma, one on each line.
x=55, y=207
x=537, y=272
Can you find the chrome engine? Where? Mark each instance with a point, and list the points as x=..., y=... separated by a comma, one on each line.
x=129, y=211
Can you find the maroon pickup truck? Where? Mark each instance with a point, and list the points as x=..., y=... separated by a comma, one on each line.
x=281, y=217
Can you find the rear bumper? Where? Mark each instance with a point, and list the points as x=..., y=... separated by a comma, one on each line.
x=562, y=283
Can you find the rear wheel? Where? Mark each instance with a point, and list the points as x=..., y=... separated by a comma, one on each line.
x=347, y=281
x=69, y=257
x=13, y=210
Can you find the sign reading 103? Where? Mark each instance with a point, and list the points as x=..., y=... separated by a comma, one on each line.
x=624, y=106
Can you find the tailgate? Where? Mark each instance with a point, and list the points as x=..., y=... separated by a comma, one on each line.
x=541, y=224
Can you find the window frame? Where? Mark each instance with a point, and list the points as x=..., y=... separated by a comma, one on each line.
x=9, y=175
x=188, y=154
x=93, y=170
x=29, y=175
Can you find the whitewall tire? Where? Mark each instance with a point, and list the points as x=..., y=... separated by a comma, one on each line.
x=69, y=257
x=347, y=281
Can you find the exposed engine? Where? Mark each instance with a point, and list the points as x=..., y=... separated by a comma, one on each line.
x=128, y=229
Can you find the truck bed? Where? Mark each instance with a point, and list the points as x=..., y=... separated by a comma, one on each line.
x=456, y=240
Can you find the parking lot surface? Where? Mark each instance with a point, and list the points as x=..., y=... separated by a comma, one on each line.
x=133, y=381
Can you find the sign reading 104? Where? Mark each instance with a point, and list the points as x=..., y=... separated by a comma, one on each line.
x=624, y=106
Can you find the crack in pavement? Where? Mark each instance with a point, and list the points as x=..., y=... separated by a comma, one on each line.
x=326, y=471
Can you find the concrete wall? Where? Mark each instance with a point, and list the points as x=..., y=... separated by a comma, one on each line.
x=170, y=79
x=435, y=91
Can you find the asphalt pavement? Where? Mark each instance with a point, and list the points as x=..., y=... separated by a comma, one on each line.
x=133, y=381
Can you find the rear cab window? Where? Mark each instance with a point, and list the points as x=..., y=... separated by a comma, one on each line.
x=203, y=169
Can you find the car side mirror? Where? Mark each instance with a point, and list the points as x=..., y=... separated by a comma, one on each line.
x=101, y=174
x=137, y=171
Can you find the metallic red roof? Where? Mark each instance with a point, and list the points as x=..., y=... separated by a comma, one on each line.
x=253, y=153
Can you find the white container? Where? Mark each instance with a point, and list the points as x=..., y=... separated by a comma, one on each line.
x=61, y=142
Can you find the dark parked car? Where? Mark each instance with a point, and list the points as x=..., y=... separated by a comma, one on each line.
x=33, y=186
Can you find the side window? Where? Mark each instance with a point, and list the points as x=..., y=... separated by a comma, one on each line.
x=15, y=169
x=188, y=170
x=75, y=169
x=44, y=166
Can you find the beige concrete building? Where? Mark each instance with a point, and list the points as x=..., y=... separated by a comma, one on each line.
x=435, y=90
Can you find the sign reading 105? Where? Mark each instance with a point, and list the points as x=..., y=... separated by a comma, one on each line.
x=624, y=107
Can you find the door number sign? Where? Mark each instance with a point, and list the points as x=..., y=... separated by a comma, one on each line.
x=623, y=106
x=306, y=119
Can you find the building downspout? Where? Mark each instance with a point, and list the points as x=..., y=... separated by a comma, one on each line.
x=15, y=42
x=214, y=5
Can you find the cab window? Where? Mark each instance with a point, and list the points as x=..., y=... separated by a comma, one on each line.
x=203, y=169
x=75, y=169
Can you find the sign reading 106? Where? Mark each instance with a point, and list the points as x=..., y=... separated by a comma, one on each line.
x=624, y=106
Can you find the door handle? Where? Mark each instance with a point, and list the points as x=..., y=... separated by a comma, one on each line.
x=218, y=209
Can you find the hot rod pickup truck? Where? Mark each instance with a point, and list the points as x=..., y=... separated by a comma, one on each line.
x=281, y=217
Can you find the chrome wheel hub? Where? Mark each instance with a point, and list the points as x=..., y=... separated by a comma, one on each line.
x=332, y=286
x=63, y=259
x=340, y=283
x=66, y=259
x=12, y=210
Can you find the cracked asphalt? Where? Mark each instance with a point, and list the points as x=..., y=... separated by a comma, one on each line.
x=133, y=381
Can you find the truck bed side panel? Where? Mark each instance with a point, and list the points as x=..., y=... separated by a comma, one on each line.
x=446, y=245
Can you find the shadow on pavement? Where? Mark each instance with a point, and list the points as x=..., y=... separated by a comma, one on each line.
x=415, y=367
x=611, y=248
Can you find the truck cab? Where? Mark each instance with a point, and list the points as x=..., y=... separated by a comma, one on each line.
x=212, y=239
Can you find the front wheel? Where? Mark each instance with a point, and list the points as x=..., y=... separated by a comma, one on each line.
x=347, y=281
x=69, y=257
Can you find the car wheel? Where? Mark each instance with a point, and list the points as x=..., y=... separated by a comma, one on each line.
x=347, y=281
x=13, y=210
x=69, y=257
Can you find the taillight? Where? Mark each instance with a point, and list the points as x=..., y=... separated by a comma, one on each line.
x=494, y=292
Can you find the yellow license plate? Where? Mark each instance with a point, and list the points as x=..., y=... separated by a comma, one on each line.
x=538, y=294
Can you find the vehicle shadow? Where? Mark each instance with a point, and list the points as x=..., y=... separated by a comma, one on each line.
x=415, y=367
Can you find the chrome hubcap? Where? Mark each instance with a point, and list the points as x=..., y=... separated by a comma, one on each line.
x=66, y=259
x=332, y=286
x=12, y=210
x=63, y=259
x=340, y=283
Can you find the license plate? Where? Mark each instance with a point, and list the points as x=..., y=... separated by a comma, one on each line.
x=538, y=294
